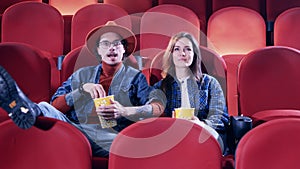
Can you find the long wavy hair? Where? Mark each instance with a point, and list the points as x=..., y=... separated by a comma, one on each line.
x=168, y=64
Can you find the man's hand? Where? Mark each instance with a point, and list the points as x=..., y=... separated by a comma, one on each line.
x=112, y=111
x=95, y=90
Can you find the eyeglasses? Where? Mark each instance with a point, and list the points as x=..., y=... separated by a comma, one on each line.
x=107, y=44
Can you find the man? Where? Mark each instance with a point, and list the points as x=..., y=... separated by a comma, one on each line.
x=73, y=101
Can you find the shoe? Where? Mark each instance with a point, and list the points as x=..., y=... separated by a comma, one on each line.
x=20, y=109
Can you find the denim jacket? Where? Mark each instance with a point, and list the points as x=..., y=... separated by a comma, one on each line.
x=206, y=96
x=129, y=87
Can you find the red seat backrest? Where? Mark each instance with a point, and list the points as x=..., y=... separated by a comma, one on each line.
x=165, y=143
x=270, y=145
x=30, y=69
x=276, y=7
x=257, y=5
x=214, y=65
x=91, y=16
x=201, y=8
x=135, y=7
x=232, y=63
x=48, y=145
x=70, y=7
x=269, y=78
x=236, y=30
x=3, y=115
x=75, y=59
x=172, y=19
x=286, y=28
x=7, y=3
x=38, y=24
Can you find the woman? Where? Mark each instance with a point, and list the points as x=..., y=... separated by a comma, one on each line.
x=186, y=86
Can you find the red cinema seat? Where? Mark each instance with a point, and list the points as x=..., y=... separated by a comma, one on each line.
x=136, y=26
x=232, y=63
x=91, y=16
x=49, y=144
x=153, y=74
x=276, y=7
x=286, y=28
x=136, y=7
x=38, y=24
x=165, y=143
x=3, y=115
x=233, y=32
x=201, y=8
x=236, y=30
x=214, y=65
x=70, y=7
x=7, y=3
x=270, y=145
x=169, y=20
x=273, y=9
x=269, y=79
x=75, y=59
x=256, y=5
x=30, y=69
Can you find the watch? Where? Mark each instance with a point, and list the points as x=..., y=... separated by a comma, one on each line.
x=81, y=90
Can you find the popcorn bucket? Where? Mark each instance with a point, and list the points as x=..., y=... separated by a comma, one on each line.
x=105, y=101
x=184, y=113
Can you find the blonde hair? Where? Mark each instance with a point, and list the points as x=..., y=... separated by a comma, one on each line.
x=168, y=65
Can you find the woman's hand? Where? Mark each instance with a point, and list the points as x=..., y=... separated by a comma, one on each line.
x=196, y=120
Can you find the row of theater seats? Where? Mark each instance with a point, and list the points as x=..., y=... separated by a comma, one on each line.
x=266, y=78
x=269, y=9
x=70, y=29
x=70, y=32
x=150, y=143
